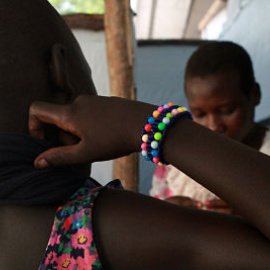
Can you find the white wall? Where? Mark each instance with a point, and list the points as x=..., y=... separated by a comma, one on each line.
x=94, y=49
x=249, y=25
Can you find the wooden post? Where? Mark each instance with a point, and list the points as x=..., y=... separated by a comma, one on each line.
x=120, y=64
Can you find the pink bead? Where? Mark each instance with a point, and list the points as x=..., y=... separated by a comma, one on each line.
x=155, y=160
x=143, y=146
x=160, y=109
x=175, y=112
x=147, y=127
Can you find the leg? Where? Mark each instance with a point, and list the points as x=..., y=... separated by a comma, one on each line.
x=134, y=231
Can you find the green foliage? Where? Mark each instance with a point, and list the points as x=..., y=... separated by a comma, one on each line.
x=78, y=6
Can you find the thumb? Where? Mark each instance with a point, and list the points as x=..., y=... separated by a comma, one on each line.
x=60, y=156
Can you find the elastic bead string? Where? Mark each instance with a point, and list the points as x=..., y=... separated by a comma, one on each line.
x=155, y=130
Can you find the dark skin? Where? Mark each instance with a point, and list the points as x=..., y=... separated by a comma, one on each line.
x=187, y=234
x=38, y=52
x=21, y=229
x=184, y=236
x=219, y=103
x=41, y=60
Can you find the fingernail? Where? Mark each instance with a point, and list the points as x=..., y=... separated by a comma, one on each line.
x=207, y=203
x=42, y=164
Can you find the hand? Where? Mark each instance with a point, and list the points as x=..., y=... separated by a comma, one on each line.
x=218, y=205
x=106, y=128
x=184, y=201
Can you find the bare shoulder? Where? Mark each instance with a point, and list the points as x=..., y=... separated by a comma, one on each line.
x=24, y=233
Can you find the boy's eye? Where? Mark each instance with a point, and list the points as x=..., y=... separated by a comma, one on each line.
x=227, y=111
x=198, y=114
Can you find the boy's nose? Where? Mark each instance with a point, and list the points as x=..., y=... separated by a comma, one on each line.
x=215, y=124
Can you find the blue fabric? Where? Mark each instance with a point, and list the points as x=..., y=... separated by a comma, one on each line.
x=22, y=184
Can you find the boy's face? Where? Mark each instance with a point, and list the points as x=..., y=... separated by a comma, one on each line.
x=218, y=103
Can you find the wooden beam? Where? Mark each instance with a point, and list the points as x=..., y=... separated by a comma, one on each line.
x=92, y=22
x=211, y=13
x=120, y=64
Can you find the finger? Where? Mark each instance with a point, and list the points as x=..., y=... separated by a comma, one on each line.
x=223, y=210
x=66, y=138
x=184, y=201
x=195, y=204
x=216, y=203
x=61, y=156
x=44, y=112
x=35, y=127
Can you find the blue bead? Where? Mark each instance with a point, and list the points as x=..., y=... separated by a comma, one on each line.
x=147, y=158
x=154, y=153
x=151, y=120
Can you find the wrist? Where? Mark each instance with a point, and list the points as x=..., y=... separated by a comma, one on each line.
x=130, y=120
x=155, y=129
x=140, y=115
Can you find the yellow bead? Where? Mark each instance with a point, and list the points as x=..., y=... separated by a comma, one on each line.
x=180, y=109
x=156, y=114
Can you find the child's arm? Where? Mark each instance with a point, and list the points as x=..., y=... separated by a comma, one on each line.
x=111, y=127
x=233, y=171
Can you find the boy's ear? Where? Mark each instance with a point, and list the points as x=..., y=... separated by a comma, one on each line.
x=256, y=92
x=59, y=73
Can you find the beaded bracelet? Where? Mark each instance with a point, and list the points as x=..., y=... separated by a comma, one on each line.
x=155, y=130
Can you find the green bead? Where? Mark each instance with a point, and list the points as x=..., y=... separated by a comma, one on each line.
x=161, y=126
x=158, y=136
x=169, y=115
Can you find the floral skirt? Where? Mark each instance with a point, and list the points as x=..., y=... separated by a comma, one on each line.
x=71, y=245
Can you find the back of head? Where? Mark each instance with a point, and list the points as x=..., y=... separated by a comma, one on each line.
x=218, y=56
x=39, y=60
x=28, y=31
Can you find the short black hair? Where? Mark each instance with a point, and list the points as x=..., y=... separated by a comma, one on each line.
x=216, y=56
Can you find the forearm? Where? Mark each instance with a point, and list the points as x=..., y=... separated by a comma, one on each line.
x=111, y=127
x=233, y=171
x=236, y=173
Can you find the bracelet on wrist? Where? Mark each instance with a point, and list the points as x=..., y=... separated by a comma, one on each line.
x=155, y=129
